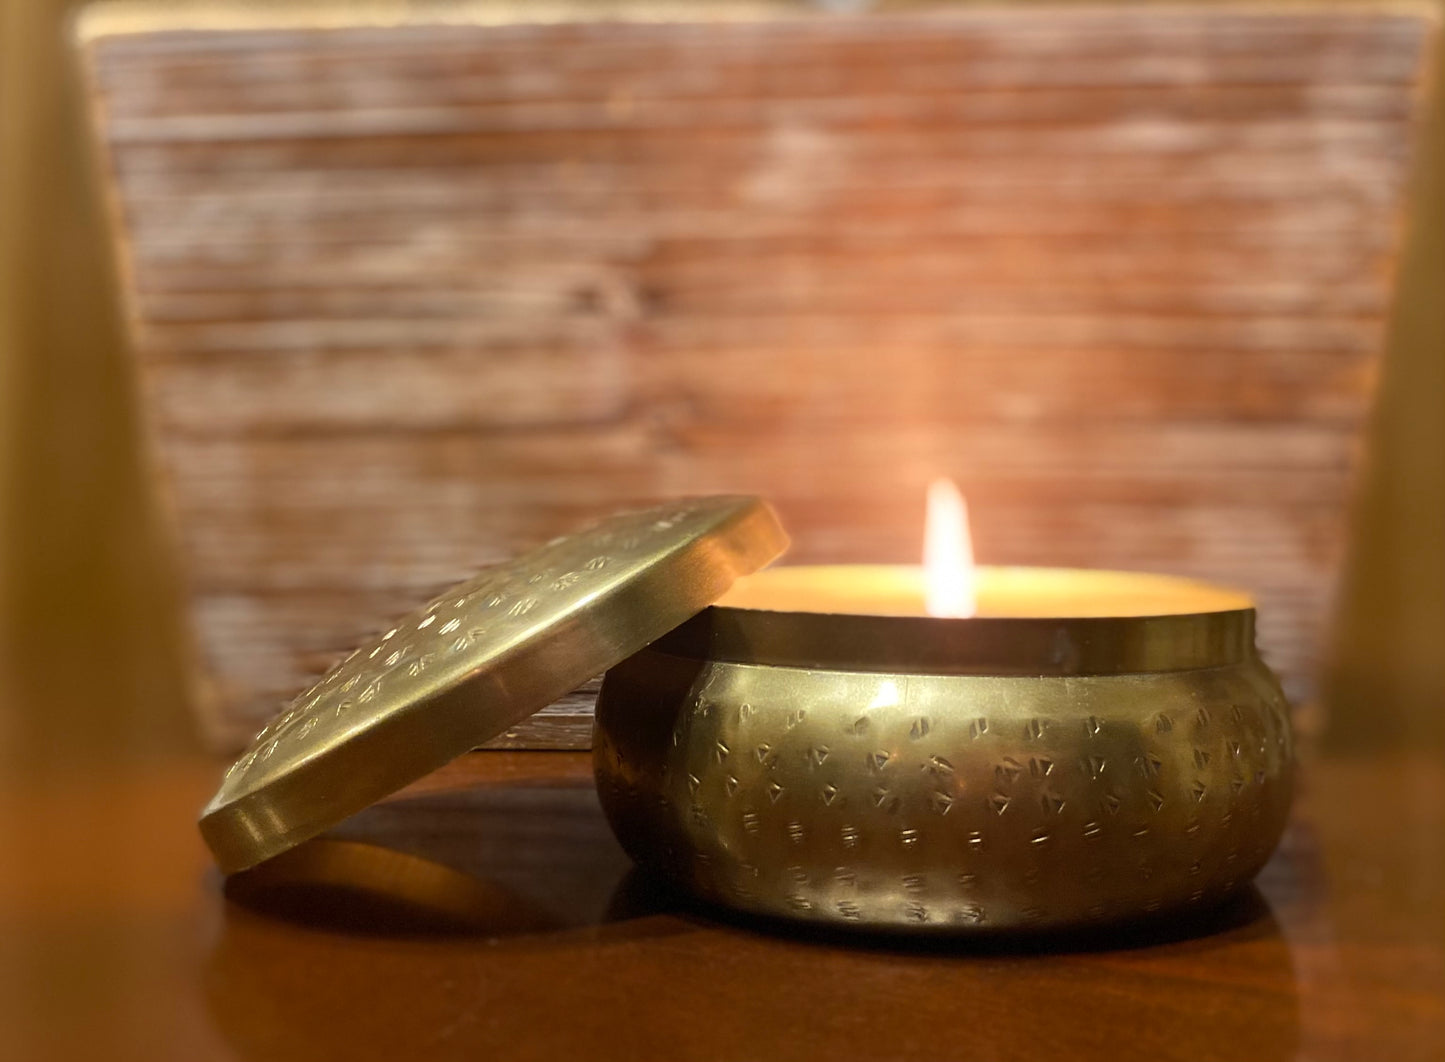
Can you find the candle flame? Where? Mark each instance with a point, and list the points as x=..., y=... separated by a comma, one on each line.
x=948, y=552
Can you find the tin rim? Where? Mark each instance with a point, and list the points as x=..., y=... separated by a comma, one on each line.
x=1214, y=635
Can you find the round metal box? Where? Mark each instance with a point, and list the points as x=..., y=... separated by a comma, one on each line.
x=978, y=775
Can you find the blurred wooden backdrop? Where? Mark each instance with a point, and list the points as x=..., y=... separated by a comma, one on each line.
x=91, y=639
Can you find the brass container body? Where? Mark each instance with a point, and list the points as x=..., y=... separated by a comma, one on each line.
x=1110, y=769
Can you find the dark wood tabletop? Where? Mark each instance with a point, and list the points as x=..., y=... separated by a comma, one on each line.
x=486, y=913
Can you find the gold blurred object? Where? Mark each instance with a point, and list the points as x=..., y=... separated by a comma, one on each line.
x=910, y=773
x=477, y=659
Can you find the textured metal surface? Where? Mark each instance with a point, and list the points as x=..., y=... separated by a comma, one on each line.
x=898, y=800
x=475, y=660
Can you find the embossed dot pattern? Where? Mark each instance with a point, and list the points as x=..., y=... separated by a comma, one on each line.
x=439, y=643
x=961, y=803
x=475, y=659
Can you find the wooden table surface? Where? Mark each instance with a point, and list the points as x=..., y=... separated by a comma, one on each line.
x=487, y=913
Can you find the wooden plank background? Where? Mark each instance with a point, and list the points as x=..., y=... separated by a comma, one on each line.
x=407, y=299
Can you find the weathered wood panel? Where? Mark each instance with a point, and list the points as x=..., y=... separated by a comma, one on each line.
x=407, y=299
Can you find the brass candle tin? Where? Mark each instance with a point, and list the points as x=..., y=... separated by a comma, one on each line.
x=975, y=775
x=813, y=749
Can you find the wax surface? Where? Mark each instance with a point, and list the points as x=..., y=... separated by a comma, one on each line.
x=898, y=590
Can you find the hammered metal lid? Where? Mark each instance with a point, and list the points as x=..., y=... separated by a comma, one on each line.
x=477, y=659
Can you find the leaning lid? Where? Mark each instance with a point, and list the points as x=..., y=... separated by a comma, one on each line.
x=477, y=659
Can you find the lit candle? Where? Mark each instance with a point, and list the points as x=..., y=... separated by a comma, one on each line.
x=949, y=585
x=941, y=747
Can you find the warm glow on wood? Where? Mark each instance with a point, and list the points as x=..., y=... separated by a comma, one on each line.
x=948, y=552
